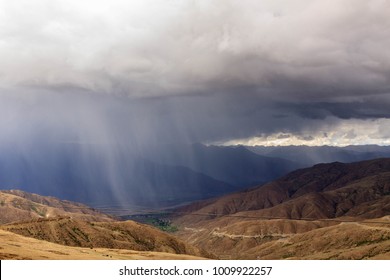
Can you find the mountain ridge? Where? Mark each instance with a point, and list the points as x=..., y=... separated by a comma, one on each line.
x=317, y=179
x=281, y=219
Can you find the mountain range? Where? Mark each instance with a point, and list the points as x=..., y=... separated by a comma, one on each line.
x=159, y=177
x=127, y=180
x=308, y=156
x=327, y=211
x=324, y=200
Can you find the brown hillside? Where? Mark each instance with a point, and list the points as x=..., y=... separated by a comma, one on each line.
x=232, y=238
x=17, y=205
x=364, y=198
x=343, y=241
x=303, y=210
x=17, y=247
x=229, y=237
x=322, y=191
x=114, y=235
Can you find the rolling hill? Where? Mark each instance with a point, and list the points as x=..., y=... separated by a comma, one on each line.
x=332, y=200
x=16, y=205
x=112, y=235
x=76, y=225
x=17, y=247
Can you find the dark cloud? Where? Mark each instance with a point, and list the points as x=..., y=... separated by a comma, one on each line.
x=145, y=72
x=367, y=109
x=154, y=48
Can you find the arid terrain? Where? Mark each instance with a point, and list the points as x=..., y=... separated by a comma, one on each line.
x=329, y=211
x=17, y=247
x=286, y=239
x=48, y=228
x=114, y=235
x=18, y=206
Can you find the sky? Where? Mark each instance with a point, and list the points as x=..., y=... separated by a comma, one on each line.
x=131, y=74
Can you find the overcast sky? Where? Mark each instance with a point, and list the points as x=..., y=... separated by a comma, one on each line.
x=268, y=72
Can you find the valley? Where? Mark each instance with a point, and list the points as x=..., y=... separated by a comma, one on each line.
x=327, y=211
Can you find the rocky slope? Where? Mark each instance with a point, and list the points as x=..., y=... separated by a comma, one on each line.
x=16, y=205
x=114, y=235
x=73, y=224
x=331, y=200
x=322, y=191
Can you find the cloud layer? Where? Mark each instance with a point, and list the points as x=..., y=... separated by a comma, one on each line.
x=209, y=71
x=143, y=48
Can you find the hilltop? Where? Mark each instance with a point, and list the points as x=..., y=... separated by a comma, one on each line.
x=67, y=223
x=333, y=200
x=17, y=205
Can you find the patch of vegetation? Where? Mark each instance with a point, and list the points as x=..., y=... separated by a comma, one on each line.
x=164, y=225
x=2, y=203
x=158, y=220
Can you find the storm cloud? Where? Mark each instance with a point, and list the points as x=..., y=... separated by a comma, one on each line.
x=128, y=74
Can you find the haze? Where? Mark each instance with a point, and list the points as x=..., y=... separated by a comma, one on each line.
x=121, y=77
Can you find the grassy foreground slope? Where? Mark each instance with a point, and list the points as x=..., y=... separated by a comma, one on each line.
x=114, y=235
x=17, y=247
x=74, y=225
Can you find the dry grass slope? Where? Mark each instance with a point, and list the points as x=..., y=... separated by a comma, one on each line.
x=298, y=216
x=322, y=191
x=16, y=247
x=115, y=235
x=285, y=239
x=76, y=225
x=344, y=241
x=17, y=205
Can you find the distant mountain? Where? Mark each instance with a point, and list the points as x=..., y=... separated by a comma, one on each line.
x=322, y=191
x=148, y=179
x=235, y=165
x=114, y=180
x=308, y=155
x=157, y=177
